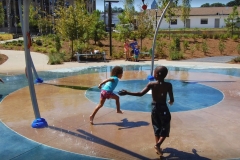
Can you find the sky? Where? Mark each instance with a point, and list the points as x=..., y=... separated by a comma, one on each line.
x=194, y=3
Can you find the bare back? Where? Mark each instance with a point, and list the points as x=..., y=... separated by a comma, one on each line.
x=160, y=91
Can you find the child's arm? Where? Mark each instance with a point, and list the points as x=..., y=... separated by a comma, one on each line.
x=105, y=81
x=144, y=91
x=170, y=93
x=1, y=80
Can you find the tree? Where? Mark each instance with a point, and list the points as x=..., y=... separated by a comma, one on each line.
x=233, y=3
x=217, y=5
x=232, y=20
x=126, y=17
x=205, y=5
x=144, y=26
x=33, y=18
x=170, y=13
x=186, y=8
x=72, y=22
x=129, y=11
x=1, y=14
x=97, y=28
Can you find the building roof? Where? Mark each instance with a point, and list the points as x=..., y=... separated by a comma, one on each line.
x=203, y=11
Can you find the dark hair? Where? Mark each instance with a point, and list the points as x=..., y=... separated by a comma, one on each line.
x=161, y=71
x=116, y=71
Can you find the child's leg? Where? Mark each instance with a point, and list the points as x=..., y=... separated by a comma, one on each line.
x=158, y=145
x=102, y=100
x=113, y=96
x=160, y=141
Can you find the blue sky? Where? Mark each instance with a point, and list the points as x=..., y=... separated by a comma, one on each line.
x=194, y=3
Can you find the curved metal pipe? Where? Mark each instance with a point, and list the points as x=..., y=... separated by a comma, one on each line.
x=156, y=32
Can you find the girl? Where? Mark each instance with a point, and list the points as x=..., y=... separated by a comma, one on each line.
x=107, y=90
x=126, y=49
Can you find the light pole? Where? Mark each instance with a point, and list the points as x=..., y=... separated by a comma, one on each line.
x=110, y=22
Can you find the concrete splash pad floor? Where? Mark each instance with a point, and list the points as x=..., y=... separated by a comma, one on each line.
x=208, y=133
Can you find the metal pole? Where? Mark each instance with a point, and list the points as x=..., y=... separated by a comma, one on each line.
x=109, y=26
x=26, y=4
x=156, y=32
x=38, y=80
x=156, y=19
x=104, y=13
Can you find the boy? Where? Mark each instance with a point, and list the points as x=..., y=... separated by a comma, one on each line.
x=160, y=115
x=136, y=53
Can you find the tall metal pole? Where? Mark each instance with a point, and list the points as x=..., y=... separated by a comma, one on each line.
x=104, y=13
x=156, y=32
x=26, y=4
x=110, y=26
x=38, y=80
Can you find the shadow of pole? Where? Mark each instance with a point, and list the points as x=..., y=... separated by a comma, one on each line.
x=90, y=137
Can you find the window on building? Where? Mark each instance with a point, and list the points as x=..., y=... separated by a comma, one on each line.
x=204, y=21
x=173, y=21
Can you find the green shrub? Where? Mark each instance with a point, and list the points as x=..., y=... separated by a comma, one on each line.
x=185, y=45
x=177, y=43
x=210, y=36
x=235, y=37
x=175, y=55
x=144, y=49
x=238, y=48
x=39, y=42
x=197, y=45
x=204, y=47
x=236, y=60
x=54, y=58
x=193, y=48
x=52, y=50
x=221, y=46
x=216, y=36
x=204, y=36
x=159, y=52
x=57, y=43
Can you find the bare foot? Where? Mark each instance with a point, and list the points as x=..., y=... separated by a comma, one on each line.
x=158, y=150
x=119, y=111
x=91, y=119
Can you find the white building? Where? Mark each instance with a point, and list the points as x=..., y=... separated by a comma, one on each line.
x=202, y=17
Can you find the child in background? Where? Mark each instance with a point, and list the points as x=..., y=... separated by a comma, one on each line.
x=136, y=53
x=160, y=115
x=126, y=49
x=107, y=90
x=133, y=44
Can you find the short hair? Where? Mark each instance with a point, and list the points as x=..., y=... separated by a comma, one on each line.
x=161, y=71
x=116, y=71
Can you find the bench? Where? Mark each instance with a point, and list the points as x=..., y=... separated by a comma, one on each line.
x=141, y=53
x=90, y=54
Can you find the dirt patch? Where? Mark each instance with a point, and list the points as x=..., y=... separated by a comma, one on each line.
x=194, y=49
x=3, y=58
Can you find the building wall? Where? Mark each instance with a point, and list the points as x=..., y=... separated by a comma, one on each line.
x=195, y=22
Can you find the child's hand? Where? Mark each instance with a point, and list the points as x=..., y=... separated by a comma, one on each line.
x=122, y=92
x=99, y=86
x=1, y=80
x=170, y=102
